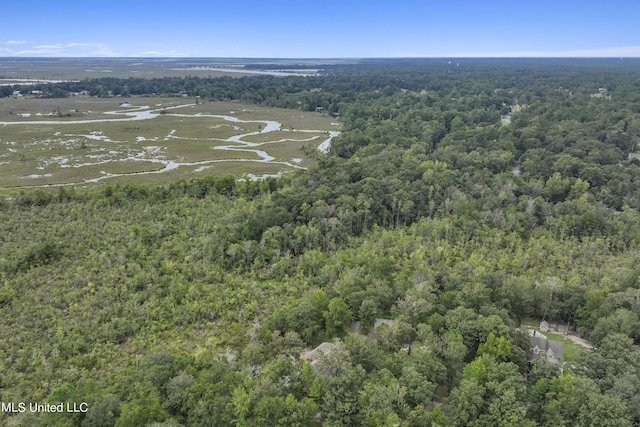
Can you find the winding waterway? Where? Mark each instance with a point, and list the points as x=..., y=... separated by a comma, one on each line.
x=238, y=141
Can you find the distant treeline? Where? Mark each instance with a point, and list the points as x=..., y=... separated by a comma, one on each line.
x=340, y=83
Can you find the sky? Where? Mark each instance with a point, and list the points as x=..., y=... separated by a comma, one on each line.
x=320, y=29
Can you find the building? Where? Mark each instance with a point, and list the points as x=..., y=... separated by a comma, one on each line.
x=544, y=326
x=542, y=347
x=318, y=353
x=356, y=327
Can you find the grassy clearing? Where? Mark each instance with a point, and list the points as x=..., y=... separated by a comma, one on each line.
x=74, y=108
x=289, y=136
x=236, y=168
x=570, y=350
x=199, y=151
x=293, y=152
x=58, y=151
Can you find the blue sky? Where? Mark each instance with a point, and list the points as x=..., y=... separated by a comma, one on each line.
x=320, y=29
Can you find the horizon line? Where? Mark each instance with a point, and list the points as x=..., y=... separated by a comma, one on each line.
x=324, y=57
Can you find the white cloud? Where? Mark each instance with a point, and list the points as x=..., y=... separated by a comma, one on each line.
x=160, y=53
x=81, y=49
x=14, y=42
x=48, y=46
x=75, y=49
x=44, y=50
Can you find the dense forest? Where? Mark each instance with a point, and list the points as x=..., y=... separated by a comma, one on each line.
x=463, y=200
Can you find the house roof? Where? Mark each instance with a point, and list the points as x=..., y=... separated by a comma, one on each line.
x=356, y=327
x=314, y=355
x=552, y=349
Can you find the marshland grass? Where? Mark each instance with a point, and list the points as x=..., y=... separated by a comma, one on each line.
x=74, y=141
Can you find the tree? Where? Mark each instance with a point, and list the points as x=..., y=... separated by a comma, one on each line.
x=176, y=393
x=558, y=401
x=496, y=347
x=490, y=392
x=453, y=353
x=103, y=413
x=367, y=312
x=337, y=318
x=466, y=402
x=240, y=401
x=601, y=410
x=622, y=321
x=341, y=395
x=141, y=412
x=383, y=400
x=417, y=304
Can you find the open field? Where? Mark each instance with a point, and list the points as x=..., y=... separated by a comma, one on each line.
x=50, y=142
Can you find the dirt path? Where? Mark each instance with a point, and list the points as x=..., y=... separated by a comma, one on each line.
x=580, y=341
x=562, y=330
x=571, y=335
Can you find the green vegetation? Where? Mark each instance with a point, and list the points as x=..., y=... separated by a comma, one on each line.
x=192, y=303
x=89, y=145
x=571, y=349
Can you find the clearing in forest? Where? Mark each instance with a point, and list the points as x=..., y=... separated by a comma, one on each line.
x=51, y=142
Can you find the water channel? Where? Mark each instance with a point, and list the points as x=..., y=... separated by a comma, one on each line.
x=145, y=113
